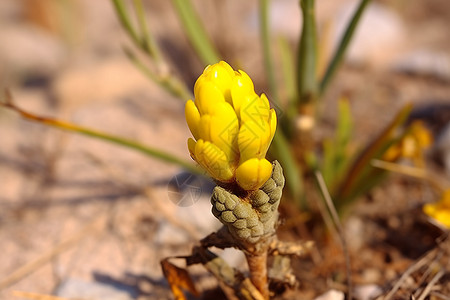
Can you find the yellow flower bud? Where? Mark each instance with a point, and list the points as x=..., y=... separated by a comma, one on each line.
x=253, y=173
x=412, y=145
x=232, y=127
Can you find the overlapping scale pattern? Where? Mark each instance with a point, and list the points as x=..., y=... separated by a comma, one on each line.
x=255, y=217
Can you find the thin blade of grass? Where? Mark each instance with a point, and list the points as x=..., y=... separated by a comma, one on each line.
x=287, y=68
x=153, y=152
x=196, y=32
x=307, y=56
x=439, y=183
x=328, y=161
x=124, y=19
x=289, y=85
x=336, y=157
x=281, y=150
x=145, y=41
x=359, y=172
x=169, y=83
x=343, y=135
x=335, y=217
x=148, y=43
x=343, y=44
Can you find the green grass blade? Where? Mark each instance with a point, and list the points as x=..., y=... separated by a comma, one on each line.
x=307, y=84
x=343, y=136
x=150, y=151
x=361, y=167
x=124, y=19
x=196, y=32
x=345, y=41
x=280, y=150
x=145, y=42
x=288, y=70
x=153, y=152
x=336, y=156
x=148, y=43
x=289, y=96
x=170, y=83
x=328, y=161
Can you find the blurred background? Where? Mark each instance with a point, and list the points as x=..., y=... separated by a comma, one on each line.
x=83, y=218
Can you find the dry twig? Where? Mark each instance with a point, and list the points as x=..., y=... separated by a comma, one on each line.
x=340, y=230
x=430, y=285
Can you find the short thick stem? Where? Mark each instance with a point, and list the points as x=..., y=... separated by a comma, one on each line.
x=257, y=264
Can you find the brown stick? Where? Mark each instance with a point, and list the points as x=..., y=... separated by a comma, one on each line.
x=257, y=265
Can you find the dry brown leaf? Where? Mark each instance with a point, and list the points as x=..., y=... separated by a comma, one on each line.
x=178, y=279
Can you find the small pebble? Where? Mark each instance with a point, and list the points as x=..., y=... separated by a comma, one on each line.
x=367, y=292
x=331, y=295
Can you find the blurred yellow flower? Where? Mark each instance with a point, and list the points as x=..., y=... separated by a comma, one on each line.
x=440, y=211
x=412, y=145
x=232, y=127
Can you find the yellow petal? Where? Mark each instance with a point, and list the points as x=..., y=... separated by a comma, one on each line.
x=221, y=75
x=392, y=153
x=242, y=90
x=208, y=96
x=192, y=118
x=421, y=134
x=221, y=71
x=204, y=128
x=443, y=217
x=224, y=129
x=221, y=128
x=227, y=67
x=243, y=80
x=253, y=173
x=273, y=123
x=256, y=110
x=218, y=71
x=198, y=84
x=440, y=211
x=253, y=140
x=191, y=147
x=445, y=200
x=265, y=104
x=409, y=147
x=213, y=160
x=429, y=209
